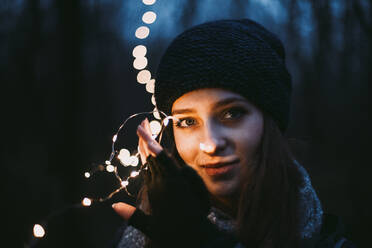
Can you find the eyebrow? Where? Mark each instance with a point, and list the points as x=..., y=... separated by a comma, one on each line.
x=221, y=103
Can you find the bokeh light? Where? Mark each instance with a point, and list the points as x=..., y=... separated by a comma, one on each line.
x=110, y=168
x=124, y=153
x=153, y=100
x=156, y=114
x=149, y=2
x=143, y=76
x=139, y=51
x=166, y=121
x=86, y=202
x=134, y=160
x=142, y=32
x=140, y=63
x=149, y=17
x=124, y=157
x=39, y=231
x=134, y=173
x=155, y=127
x=150, y=86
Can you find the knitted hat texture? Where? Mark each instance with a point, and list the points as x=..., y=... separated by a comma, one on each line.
x=237, y=55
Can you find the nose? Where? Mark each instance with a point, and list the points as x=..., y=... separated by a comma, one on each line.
x=213, y=142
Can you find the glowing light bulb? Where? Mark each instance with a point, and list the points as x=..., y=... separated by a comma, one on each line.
x=126, y=161
x=87, y=174
x=114, y=138
x=134, y=173
x=153, y=100
x=150, y=86
x=124, y=183
x=156, y=114
x=166, y=121
x=110, y=168
x=133, y=161
x=140, y=63
x=143, y=76
x=149, y=2
x=39, y=231
x=124, y=153
x=155, y=127
x=86, y=202
x=149, y=17
x=139, y=51
x=124, y=157
x=142, y=32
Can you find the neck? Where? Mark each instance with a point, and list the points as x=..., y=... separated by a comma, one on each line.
x=228, y=205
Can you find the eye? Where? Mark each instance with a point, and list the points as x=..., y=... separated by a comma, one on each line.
x=185, y=123
x=233, y=113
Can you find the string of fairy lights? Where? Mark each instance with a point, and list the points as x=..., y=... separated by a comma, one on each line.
x=124, y=156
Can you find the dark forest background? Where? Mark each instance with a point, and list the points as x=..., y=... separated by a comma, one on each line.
x=67, y=82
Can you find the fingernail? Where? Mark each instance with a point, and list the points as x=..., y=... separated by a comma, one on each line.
x=114, y=205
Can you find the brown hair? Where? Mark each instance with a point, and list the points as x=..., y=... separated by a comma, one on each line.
x=268, y=205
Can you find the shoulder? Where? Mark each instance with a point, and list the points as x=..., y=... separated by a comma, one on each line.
x=127, y=237
x=113, y=243
x=332, y=234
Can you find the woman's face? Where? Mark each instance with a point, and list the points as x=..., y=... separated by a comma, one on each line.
x=217, y=134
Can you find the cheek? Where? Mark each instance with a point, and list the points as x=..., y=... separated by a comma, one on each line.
x=249, y=139
x=187, y=147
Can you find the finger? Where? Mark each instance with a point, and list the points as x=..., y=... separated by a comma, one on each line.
x=142, y=150
x=143, y=144
x=147, y=126
x=124, y=210
x=153, y=147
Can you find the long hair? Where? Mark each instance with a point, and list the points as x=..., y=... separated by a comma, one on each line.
x=268, y=205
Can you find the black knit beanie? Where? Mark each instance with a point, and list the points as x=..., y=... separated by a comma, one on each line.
x=237, y=55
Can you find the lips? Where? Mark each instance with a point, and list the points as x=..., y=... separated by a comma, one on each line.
x=219, y=169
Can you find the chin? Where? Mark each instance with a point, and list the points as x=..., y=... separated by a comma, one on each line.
x=223, y=189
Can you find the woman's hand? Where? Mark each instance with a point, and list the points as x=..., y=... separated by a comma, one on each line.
x=179, y=204
x=146, y=144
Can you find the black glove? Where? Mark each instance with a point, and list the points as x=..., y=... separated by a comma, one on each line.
x=179, y=204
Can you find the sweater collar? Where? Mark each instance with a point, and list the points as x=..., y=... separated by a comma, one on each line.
x=310, y=210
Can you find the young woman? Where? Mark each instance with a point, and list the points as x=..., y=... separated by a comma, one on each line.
x=231, y=180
